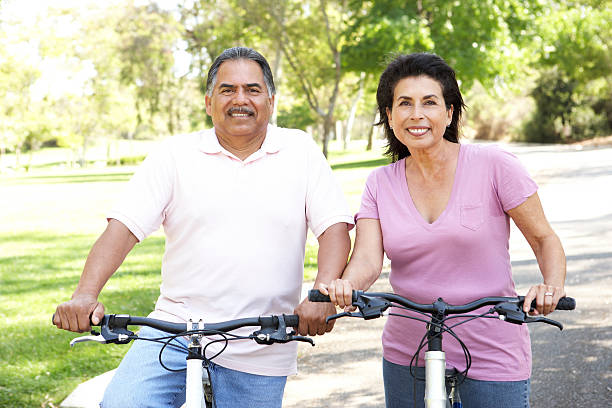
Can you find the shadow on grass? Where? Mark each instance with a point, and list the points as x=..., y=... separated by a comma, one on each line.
x=361, y=164
x=48, y=262
x=104, y=177
x=37, y=366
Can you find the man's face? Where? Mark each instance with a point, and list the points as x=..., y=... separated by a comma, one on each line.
x=239, y=105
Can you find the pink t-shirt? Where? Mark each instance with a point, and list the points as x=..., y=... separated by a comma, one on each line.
x=460, y=257
x=235, y=231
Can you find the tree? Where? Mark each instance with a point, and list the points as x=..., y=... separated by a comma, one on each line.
x=148, y=37
x=309, y=35
x=479, y=39
x=574, y=87
x=17, y=75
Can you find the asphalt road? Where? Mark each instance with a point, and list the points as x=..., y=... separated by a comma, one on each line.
x=571, y=368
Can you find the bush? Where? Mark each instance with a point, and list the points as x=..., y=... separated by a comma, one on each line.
x=565, y=112
x=126, y=161
x=495, y=117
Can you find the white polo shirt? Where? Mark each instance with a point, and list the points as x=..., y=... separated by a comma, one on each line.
x=235, y=231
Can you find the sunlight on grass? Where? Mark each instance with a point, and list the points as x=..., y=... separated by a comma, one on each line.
x=48, y=222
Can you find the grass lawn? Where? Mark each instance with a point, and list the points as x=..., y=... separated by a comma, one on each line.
x=49, y=218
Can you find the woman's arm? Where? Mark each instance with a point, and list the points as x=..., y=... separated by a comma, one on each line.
x=364, y=266
x=530, y=219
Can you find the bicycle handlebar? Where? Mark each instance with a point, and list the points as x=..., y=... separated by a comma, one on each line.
x=372, y=305
x=122, y=321
x=565, y=303
x=114, y=328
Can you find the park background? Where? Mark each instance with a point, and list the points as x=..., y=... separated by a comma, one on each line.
x=86, y=88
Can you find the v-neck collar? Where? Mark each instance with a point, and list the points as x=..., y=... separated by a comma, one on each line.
x=412, y=207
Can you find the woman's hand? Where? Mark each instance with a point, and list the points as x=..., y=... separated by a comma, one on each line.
x=340, y=292
x=546, y=296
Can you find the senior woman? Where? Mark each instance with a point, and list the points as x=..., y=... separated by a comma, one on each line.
x=441, y=211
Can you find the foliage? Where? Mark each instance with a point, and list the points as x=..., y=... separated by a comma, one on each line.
x=148, y=38
x=562, y=114
x=126, y=161
x=461, y=32
x=296, y=116
x=80, y=73
x=574, y=88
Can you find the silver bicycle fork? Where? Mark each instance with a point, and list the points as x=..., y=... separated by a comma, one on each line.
x=198, y=389
x=435, y=386
x=436, y=392
x=436, y=395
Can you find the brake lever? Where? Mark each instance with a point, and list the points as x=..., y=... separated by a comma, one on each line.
x=343, y=314
x=542, y=319
x=95, y=336
x=277, y=336
x=302, y=338
x=513, y=313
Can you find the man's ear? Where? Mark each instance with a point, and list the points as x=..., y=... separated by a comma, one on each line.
x=207, y=102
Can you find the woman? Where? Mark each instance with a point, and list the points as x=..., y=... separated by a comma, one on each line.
x=441, y=213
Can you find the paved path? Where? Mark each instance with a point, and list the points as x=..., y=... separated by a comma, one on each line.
x=571, y=368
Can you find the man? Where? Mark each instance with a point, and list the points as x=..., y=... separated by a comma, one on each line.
x=235, y=202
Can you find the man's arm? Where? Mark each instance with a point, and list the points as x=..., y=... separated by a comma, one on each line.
x=105, y=257
x=334, y=248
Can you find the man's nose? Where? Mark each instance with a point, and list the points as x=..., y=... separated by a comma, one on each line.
x=240, y=96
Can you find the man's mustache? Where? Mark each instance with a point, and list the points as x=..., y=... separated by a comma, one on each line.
x=240, y=110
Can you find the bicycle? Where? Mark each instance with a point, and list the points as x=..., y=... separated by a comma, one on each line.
x=372, y=305
x=199, y=389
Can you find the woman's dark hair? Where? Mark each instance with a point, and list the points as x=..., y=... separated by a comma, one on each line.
x=413, y=65
x=237, y=53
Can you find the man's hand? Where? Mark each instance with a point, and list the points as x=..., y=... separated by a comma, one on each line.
x=312, y=317
x=78, y=313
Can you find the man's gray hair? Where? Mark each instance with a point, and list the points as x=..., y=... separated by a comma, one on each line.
x=237, y=53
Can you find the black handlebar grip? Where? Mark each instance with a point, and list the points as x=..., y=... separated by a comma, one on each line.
x=292, y=320
x=565, y=303
x=315, y=296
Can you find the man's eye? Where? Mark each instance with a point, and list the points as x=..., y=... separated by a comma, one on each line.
x=254, y=90
x=404, y=103
x=430, y=102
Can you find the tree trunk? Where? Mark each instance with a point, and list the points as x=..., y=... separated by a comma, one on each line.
x=373, y=131
x=327, y=126
x=2, y=154
x=277, y=72
x=351, y=119
x=82, y=159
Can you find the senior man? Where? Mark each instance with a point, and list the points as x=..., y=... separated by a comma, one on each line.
x=235, y=202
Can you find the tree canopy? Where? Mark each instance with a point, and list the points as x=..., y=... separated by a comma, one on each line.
x=83, y=71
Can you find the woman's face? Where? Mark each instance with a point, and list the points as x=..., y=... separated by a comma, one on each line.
x=418, y=115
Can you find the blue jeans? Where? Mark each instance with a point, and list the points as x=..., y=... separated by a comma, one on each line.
x=140, y=381
x=400, y=390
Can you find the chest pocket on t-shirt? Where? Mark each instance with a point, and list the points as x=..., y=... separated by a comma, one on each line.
x=472, y=216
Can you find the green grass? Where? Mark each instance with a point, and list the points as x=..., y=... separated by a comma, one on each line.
x=48, y=221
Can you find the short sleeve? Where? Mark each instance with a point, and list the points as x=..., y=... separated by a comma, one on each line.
x=369, y=206
x=511, y=180
x=325, y=201
x=142, y=204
